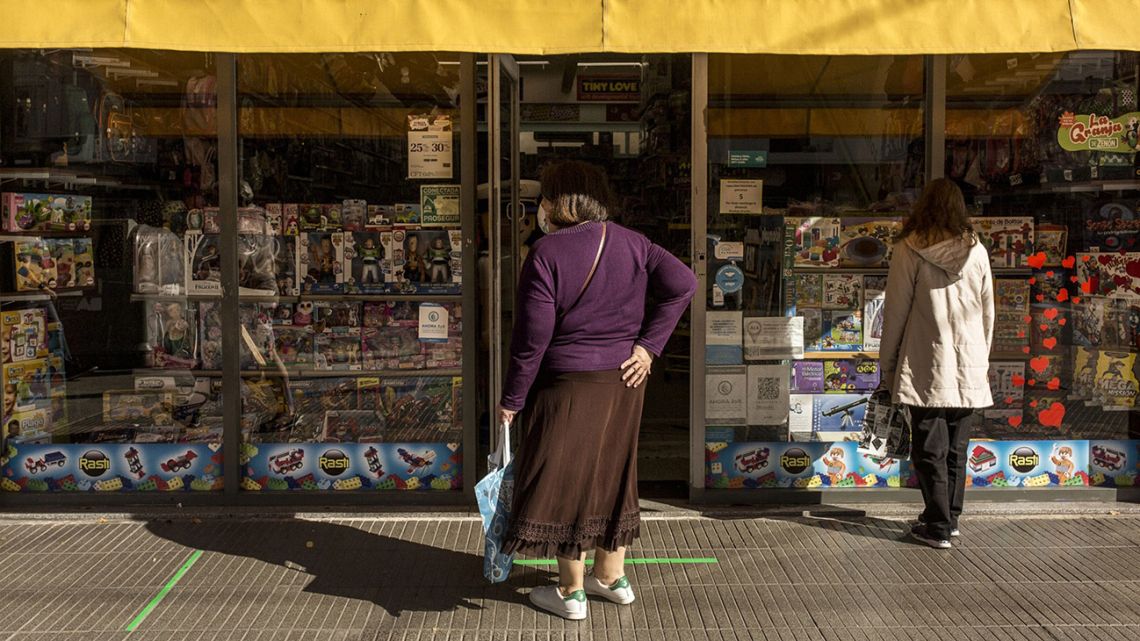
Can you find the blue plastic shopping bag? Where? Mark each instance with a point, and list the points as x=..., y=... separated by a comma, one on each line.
x=494, y=493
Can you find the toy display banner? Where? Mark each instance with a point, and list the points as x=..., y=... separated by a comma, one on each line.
x=1095, y=132
x=1114, y=463
x=797, y=465
x=820, y=465
x=1028, y=464
x=153, y=467
x=352, y=466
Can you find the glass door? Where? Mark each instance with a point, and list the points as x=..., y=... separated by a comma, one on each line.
x=504, y=209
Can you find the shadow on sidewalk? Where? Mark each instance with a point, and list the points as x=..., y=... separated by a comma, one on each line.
x=839, y=520
x=344, y=561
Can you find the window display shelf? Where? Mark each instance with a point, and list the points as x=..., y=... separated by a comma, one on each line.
x=166, y=298
x=303, y=373
x=17, y=297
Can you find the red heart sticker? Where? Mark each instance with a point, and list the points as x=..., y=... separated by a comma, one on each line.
x=1069, y=262
x=1049, y=274
x=1054, y=384
x=1017, y=381
x=1050, y=313
x=1049, y=343
x=1009, y=400
x=1027, y=319
x=1032, y=281
x=1044, y=327
x=1062, y=295
x=1032, y=382
x=1033, y=404
x=1015, y=421
x=1052, y=417
x=1036, y=261
x=1076, y=300
x=1039, y=364
x=1086, y=258
x=1086, y=287
x=1040, y=298
x=1073, y=279
x=1024, y=350
x=1062, y=321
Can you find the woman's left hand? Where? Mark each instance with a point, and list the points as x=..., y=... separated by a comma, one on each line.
x=505, y=415
x=637, y=368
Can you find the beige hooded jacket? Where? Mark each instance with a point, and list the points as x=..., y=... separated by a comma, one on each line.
x=938, y=324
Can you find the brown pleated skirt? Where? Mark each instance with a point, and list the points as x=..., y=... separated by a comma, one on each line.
x=576, y=471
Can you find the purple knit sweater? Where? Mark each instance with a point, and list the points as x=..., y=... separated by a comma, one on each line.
x=599, y=333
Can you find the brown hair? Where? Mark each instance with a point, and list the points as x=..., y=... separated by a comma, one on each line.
x=579, y=192
x=940, y=214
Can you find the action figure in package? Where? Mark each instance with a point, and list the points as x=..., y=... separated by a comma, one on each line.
x=285, y=265
x=171, y=337
x=257, y=265
x=322, y=262
x=366, y=256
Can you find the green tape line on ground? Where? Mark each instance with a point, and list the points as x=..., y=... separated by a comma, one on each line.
x=194, y=556
x=649, y=561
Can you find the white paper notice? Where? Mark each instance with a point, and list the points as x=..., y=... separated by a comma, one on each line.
x=726, y=395
x=722, y=338
x=429, y=147
x=800, y=412
x=773, y=338
x=741, y=196
x=768, y=390
x=433, y=323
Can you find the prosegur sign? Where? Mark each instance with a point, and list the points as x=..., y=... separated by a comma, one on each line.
x=1095, y=132
x=609, y=88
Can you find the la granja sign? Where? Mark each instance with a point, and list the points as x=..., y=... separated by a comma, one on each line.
x=1094, y=132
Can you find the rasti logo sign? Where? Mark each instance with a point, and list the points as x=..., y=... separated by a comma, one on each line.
x=94, y=463
x=1024, y=459
x=794, y=460
x=333, y=462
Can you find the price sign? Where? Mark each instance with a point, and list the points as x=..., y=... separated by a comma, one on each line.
x=429, y=147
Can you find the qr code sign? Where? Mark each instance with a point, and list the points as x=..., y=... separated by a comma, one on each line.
x=767, y=389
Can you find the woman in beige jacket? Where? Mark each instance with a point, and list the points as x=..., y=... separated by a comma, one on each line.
x=938, y=322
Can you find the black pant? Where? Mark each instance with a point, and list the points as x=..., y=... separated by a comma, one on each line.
x=940, y=436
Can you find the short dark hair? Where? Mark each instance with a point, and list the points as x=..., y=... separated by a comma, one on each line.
x=579, y=191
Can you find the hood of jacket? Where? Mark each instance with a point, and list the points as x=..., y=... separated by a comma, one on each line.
x=949, y=255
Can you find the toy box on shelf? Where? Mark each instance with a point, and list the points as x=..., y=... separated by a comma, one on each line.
x=203, y=263
x=321, y=262
x=45, y=212
x=1008, y=239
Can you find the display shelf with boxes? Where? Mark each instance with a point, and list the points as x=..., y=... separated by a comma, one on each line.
x=353, y=370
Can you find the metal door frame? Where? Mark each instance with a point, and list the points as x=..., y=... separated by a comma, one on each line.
x=498, y=187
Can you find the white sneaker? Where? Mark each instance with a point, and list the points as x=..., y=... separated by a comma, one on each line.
x=549, y=598
x=620, y=592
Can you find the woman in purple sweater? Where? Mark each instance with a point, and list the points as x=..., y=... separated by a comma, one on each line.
x=583, y=344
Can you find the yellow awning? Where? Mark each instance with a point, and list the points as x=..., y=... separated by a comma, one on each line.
x=513, y=26
x=841, y=27
x=833, y=27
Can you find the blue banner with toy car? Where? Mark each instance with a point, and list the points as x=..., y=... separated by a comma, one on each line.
x=74, y=467
x=1114, y=463
x=351, y=466
x=1027, y=464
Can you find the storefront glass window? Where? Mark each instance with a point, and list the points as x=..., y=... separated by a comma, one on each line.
x=350, y=267
x=813, y=162
x=104, y=155
x=1045, y=147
